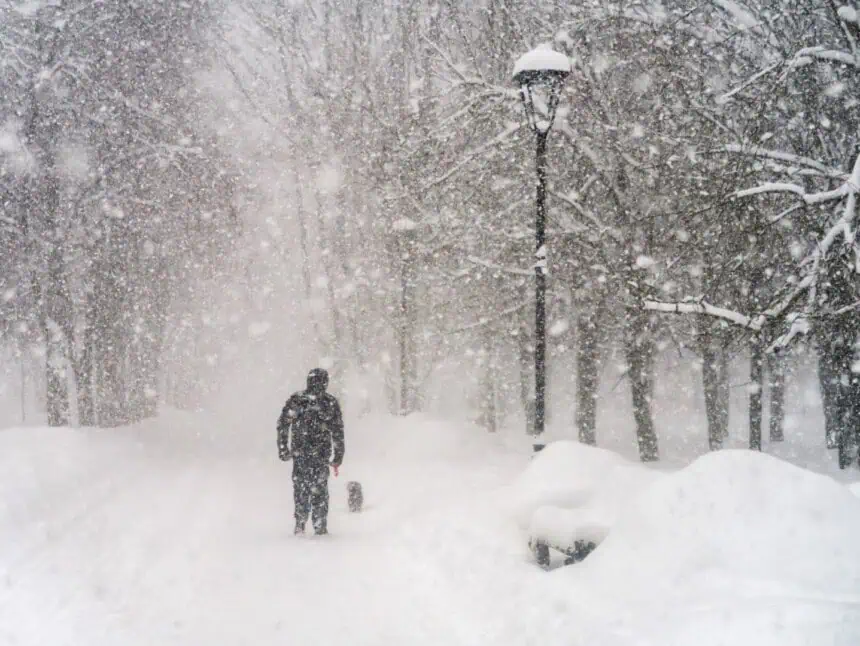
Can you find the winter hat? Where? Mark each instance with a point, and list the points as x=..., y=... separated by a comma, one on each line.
x=318, y=380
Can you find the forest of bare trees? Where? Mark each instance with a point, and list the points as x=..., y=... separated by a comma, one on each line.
x=703, y=177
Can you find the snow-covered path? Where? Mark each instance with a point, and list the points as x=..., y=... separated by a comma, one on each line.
x=143, y=546
x=179, y=533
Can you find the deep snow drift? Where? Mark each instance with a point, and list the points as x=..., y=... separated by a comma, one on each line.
x=178, y=532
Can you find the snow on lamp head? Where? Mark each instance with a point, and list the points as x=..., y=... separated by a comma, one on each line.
x=540, y=74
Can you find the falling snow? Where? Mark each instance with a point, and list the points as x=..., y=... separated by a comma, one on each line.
x=200, y=202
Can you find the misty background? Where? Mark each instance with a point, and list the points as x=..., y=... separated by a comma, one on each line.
x=199, y=201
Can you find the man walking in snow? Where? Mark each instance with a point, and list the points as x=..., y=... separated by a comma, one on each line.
x=310, y=431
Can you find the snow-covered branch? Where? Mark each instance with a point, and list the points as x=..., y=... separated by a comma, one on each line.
x=750, y=81
x=789, y=158
x=701, y=307
x=824, y=54
x=850, y=211
x=802, y=57
x=799, y=191
x=799, y=326
x=844, y=228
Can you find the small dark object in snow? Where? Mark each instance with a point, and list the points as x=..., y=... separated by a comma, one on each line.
x=541, y=553
x=580, y=550
x=356, y=497
x=573, y=554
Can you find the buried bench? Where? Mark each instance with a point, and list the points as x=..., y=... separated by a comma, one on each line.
x=573, y=532
x=574, y=554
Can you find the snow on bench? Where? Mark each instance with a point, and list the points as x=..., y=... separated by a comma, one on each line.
x=570, y=496
x=563, y=527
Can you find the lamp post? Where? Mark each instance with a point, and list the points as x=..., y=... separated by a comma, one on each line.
x=540, y=75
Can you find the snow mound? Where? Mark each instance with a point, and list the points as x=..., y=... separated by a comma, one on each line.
x=563, y=527
x=573, y=492
x=737, y=548
x=741, y=515
x=855, y=489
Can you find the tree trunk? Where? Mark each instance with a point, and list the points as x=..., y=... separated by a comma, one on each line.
x=853, y=428
x=776, y=369
x=155, y=346
x=56, y=316
x=587, y=375
x=145, y=358
x=110, y=389
x=56, y=379
x=55, y=321
x=526, y=368
x=838, y=336
x=406, y=327
x=84, y=377
x=489, y=417
x=640, y=358
x=306, y=258
x=715, y=386
x=724, y=393
x=345, y=253
x=840, y=386
x=756, y=384
x=23, y=369
x=828, y=381
x=846, y=406
x=111, y=361
x=138, y=364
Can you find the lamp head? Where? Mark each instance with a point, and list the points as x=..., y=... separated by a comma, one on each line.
x=540, y=75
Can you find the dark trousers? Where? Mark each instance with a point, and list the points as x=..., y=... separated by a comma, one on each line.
x=310, y=490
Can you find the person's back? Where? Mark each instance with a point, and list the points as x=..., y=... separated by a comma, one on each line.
x=312, y=418
x=310, y=430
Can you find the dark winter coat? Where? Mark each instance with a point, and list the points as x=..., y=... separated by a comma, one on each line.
x=310, y=427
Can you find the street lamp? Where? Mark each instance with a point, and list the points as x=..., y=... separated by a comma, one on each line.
x=540, y=75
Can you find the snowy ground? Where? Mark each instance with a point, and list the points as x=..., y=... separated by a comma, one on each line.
x=178, y=532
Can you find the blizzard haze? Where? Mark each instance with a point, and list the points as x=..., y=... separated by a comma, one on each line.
x=201, y=201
